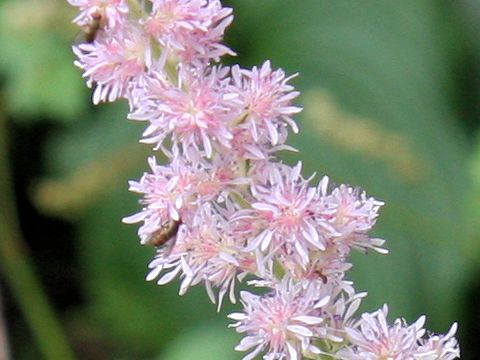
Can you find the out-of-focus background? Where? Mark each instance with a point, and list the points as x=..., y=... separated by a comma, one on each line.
x=391, y=94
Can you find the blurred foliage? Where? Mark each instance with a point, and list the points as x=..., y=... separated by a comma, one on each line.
x=474, y=203
x=380, y=83
x=37, y=60
x=207, y=341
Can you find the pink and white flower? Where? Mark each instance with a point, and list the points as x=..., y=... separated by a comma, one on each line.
x=347, y=214
x=283, y=323
x=267, y=101
x=223, y=208
x=246, y=147
x=195, y=113
x=204, y=251
x=439, y=347
x=166, y=197
x=373, y=339
x=175, y=192
x=113, y=61
x=284, y=209
x=219, y=178
x=189, y=29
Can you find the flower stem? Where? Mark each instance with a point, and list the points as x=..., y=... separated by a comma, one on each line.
x=18, y=270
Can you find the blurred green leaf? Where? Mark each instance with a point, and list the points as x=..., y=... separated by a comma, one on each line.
x=209, y=341
x=37, y=61
x=104, y=131
x=473, y=246
x=89, y=162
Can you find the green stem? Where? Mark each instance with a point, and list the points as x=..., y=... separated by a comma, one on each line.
x=18, y=270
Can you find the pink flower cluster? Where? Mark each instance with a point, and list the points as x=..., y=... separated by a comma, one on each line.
x=372, y=338
x=224, y=208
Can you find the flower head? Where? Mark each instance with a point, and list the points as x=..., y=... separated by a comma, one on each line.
x=166, y=192
x=266, y=99
x=283, y=209
x=224, y=208
x=439, y=347
x=195, y=113
x=347, y=215
x=189, y=29
x=113, y=61
x=373, y=339
x=204, y=251
x=282, y=323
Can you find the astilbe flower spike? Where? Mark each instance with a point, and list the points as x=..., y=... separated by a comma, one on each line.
x=224, y=208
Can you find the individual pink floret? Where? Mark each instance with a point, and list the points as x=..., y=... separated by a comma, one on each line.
x=113, y=61
x=220, y=177
x=204, y=251
x=373, y=338
x=282, y=323
x=165, y=197
x=195, y=113
x=347, y=215
x=283, y=211
x=439, y=347
x=267, y=101
x=246, y=147
x=189, y=29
